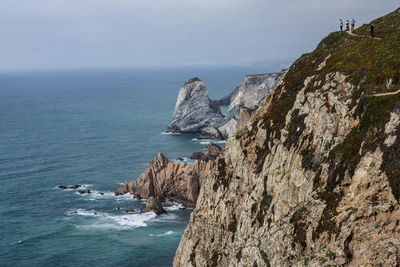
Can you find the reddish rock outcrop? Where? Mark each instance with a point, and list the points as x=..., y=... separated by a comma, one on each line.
x=179, y=182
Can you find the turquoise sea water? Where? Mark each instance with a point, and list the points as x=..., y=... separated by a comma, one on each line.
x=97, y=129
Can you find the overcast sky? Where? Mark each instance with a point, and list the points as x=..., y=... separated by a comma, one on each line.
x=40, y=34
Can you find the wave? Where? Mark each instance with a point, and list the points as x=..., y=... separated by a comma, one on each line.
x=169, y=133
x=164, y=234
x=174, y=207
x=208, y=141
x=112, y=221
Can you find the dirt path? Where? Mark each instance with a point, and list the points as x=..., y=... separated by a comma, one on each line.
x=353, y=34
x=389, y=93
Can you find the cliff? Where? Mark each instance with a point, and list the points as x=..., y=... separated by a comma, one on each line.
x=313, y=179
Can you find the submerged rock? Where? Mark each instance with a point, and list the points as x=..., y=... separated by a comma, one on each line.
x=194, y=110
x=154, y=205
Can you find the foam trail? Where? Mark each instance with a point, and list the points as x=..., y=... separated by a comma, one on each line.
x=164, y=234
x=110, y=221
x=169, y=133
x=208, y=141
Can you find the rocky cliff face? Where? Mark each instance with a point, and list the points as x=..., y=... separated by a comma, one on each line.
x=194, y=110
x=314, y=177
x=196, y=113
x=251, y=91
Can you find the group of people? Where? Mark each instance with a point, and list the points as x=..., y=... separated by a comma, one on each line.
x=353, y=25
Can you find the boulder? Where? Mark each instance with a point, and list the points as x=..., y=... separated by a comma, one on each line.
x=154, y=205
x=84, y=191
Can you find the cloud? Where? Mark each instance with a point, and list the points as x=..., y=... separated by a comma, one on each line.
x=127, y=33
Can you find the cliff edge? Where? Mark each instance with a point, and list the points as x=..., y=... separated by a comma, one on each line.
x=313, y=179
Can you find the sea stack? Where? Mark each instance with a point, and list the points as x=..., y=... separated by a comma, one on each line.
x=194, y=110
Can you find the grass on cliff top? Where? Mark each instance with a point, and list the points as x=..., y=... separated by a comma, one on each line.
x=369, y=62
x=373, y=66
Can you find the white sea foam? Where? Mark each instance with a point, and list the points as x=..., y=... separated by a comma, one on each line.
x=169, y=133
x=174, y=207
x=208, y=141
x=111, y=221
x=164, y=234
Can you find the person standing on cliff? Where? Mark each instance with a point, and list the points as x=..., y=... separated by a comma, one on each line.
x=353, y=24
x=371, y=27
x=347, y=25
x=341, y=25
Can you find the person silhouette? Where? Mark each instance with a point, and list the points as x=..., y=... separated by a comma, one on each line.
x=371, y=27
x=341, y=25
x=347, y=25
x=353, y=24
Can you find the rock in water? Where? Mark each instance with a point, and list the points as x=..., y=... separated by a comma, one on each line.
x=194, y=110
x=154, y=205
x=164, y=179
x=84, y=191
x=179, y=182
x=124, y=189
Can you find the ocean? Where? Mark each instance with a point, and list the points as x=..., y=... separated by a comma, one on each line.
x=96, y=128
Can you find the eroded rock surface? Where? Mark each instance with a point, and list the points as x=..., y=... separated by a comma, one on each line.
x=194, y=110
x=251, y=91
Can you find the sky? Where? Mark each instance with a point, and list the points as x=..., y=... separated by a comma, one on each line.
x=73, y=34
